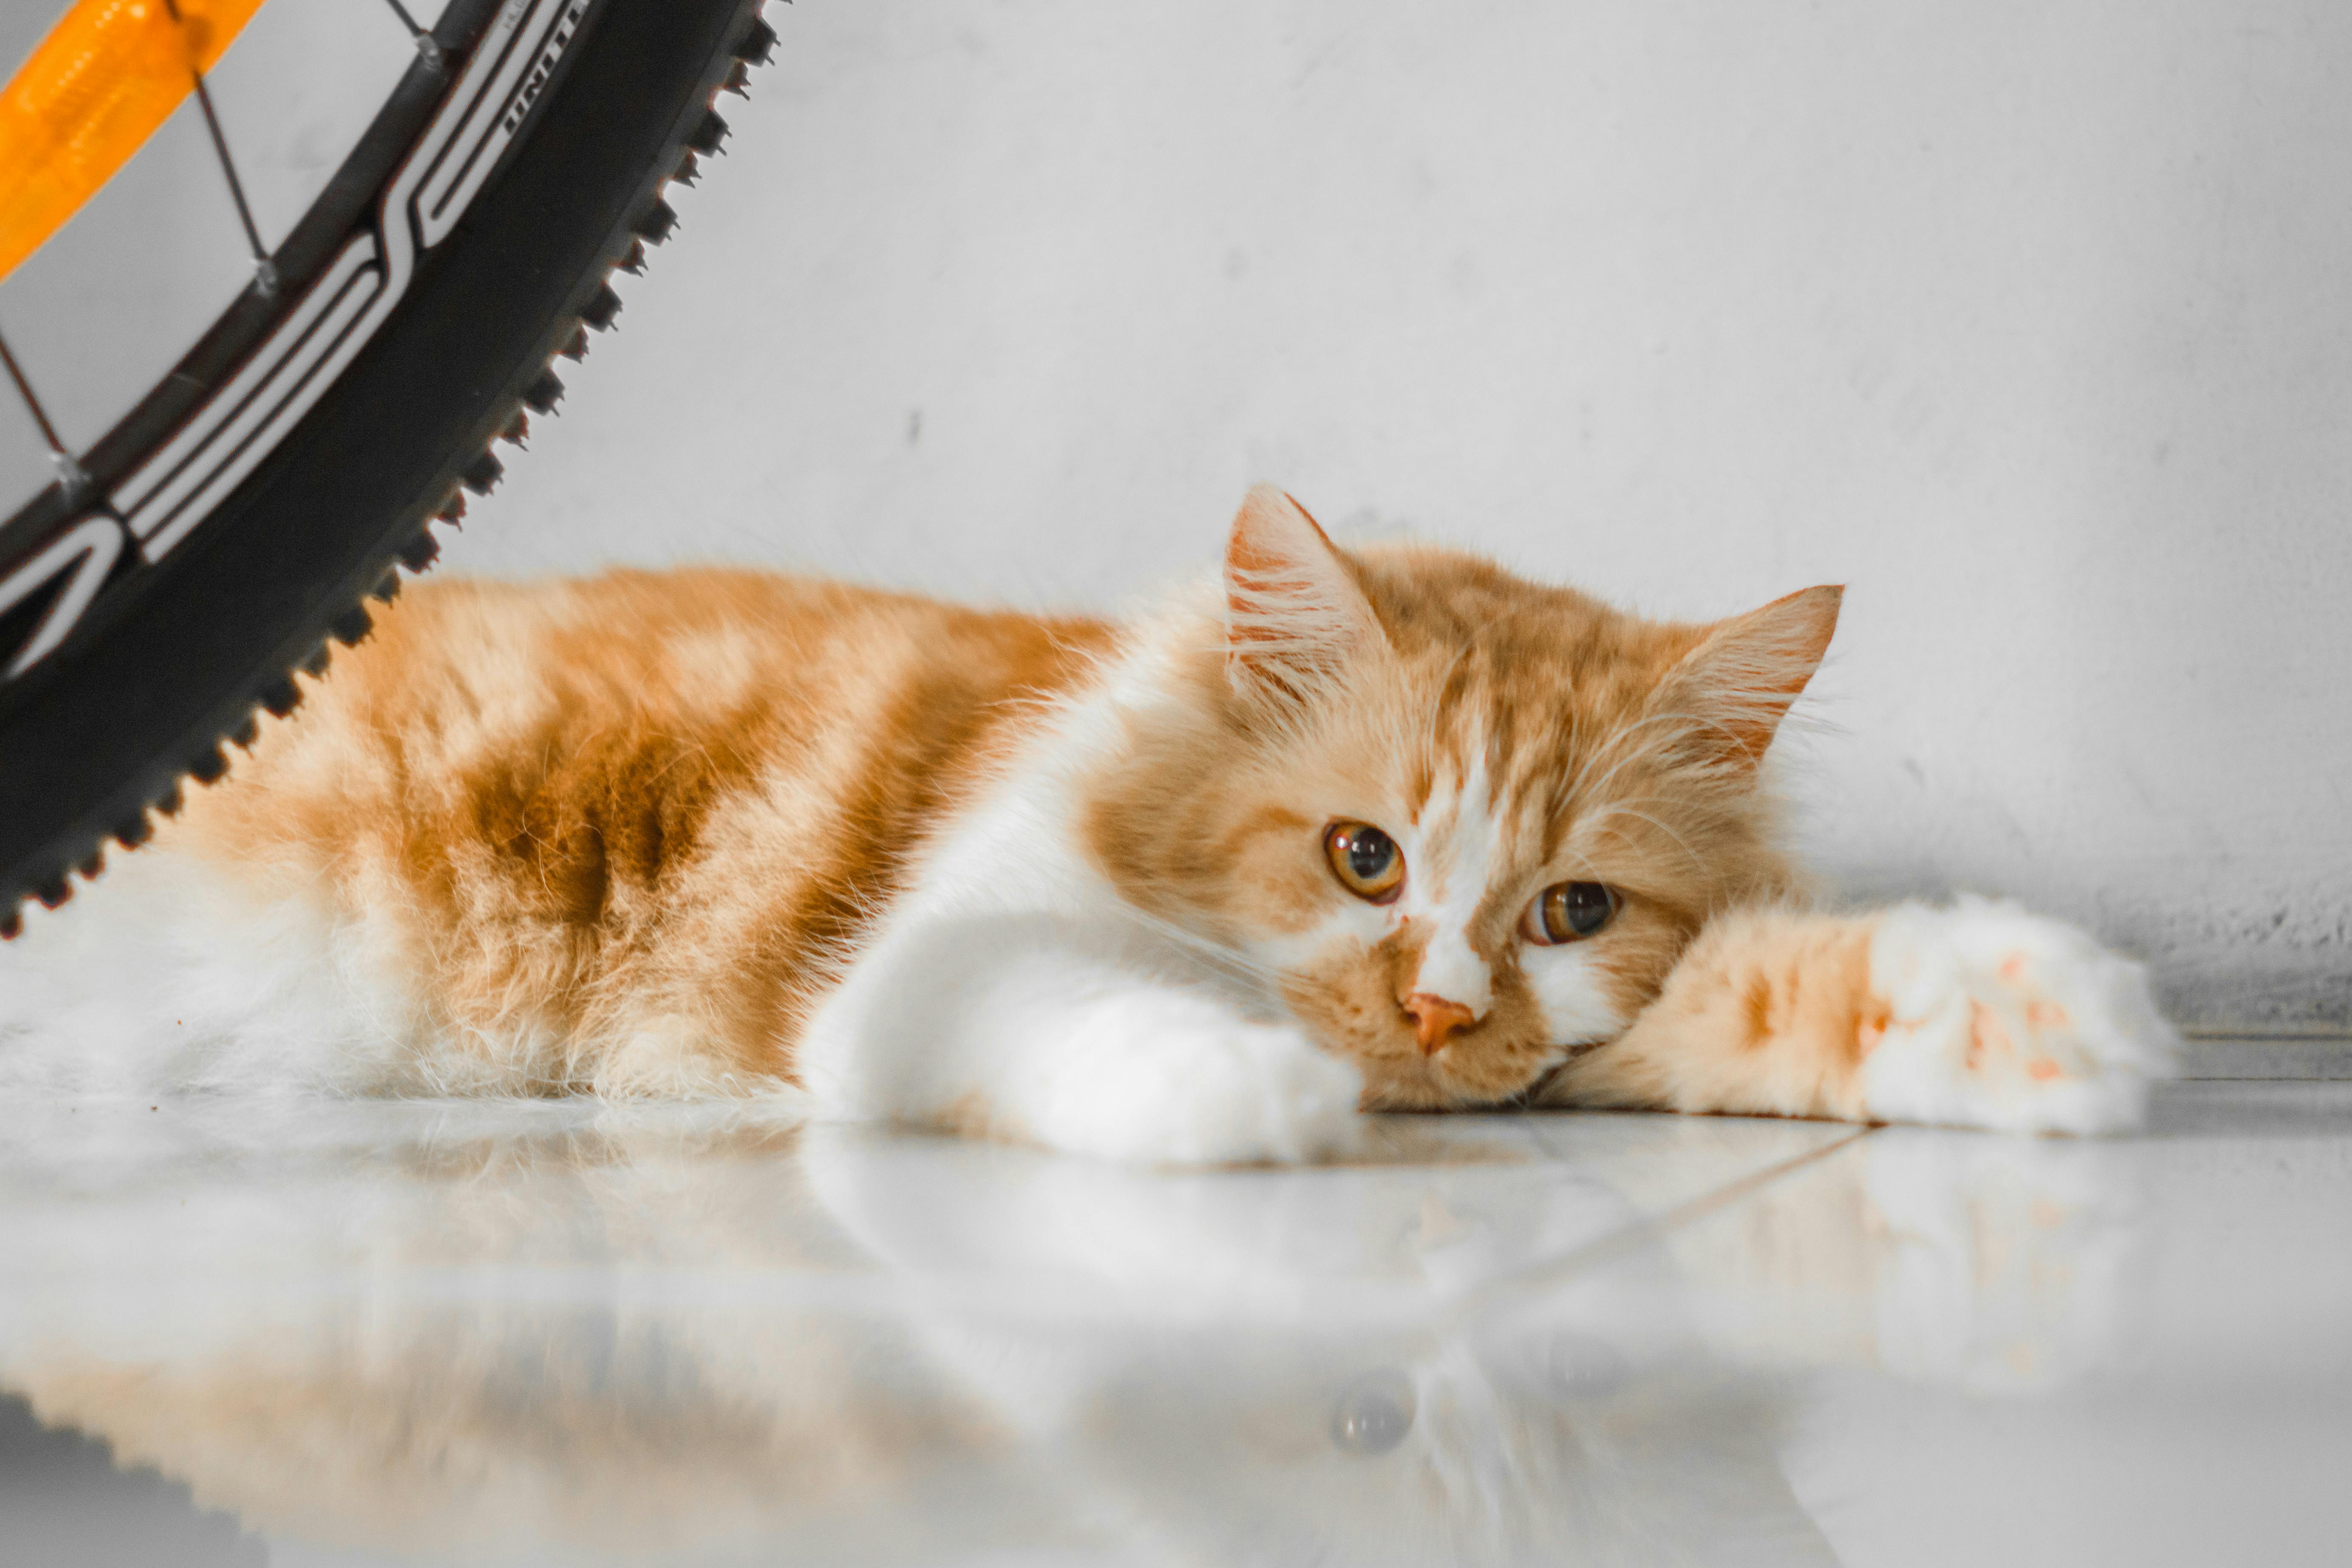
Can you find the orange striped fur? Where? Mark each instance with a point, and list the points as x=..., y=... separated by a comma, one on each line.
x=1073, y=880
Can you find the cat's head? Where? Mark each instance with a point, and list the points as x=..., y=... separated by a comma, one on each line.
x=1463, y=821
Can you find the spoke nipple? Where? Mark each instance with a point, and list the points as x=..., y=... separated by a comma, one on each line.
x=72, y=479
x=428, y=49
x=264, y=276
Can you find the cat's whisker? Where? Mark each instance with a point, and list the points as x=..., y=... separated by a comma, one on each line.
x=1614, y=746
x=1698, y=862
x=1219, y=954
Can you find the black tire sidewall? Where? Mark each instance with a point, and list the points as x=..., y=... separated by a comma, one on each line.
x=181, y=653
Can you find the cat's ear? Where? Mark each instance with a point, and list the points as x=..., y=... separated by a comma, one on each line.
x=1738, y=683
x=1294, y=615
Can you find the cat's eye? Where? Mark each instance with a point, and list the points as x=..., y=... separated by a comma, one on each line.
x=1568, y=911
x=1366, y=861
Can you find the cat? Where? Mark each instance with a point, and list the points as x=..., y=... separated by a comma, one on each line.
x=1379, y=829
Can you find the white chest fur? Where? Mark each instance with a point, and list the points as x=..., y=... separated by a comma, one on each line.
x=1011, y=987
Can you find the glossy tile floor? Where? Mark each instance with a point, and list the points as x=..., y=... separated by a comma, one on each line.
x=393, y=1333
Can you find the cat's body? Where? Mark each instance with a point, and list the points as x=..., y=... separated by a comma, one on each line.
x=1396, y=828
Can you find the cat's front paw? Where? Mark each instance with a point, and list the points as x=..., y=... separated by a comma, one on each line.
x=1195, y=1086
x=1985, y=1015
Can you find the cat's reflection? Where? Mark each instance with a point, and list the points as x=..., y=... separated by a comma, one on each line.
x=636, y=1340
x=1287, y=1367
x=1993, y=1266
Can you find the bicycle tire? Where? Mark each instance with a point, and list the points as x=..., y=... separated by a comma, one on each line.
x=171, y=658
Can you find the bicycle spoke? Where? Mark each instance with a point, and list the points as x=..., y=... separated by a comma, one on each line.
x=70, y=477
x=317, y=438
x=427, y=45
x=265, y=273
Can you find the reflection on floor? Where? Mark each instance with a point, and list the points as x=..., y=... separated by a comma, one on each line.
x=381, y=1333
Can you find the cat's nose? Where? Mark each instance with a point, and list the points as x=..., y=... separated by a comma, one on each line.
x=1436, y=1019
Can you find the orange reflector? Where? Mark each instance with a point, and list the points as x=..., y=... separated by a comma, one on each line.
x=108, y=75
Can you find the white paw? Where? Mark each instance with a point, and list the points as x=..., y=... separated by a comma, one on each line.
x=2004, y=1019
x=1192, y=1084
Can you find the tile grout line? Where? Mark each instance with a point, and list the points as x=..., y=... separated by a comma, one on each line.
x=2259, y=1078
x=1642, y=1234
x=2324, y=1034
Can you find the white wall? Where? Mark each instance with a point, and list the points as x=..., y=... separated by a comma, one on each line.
x=2032, y=323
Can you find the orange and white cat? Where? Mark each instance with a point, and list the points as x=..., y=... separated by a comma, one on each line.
x=1388, y=829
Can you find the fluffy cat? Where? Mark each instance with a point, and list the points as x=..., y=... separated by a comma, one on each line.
x=1390, y=829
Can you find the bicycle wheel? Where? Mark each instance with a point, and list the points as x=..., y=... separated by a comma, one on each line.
x=175, y=575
